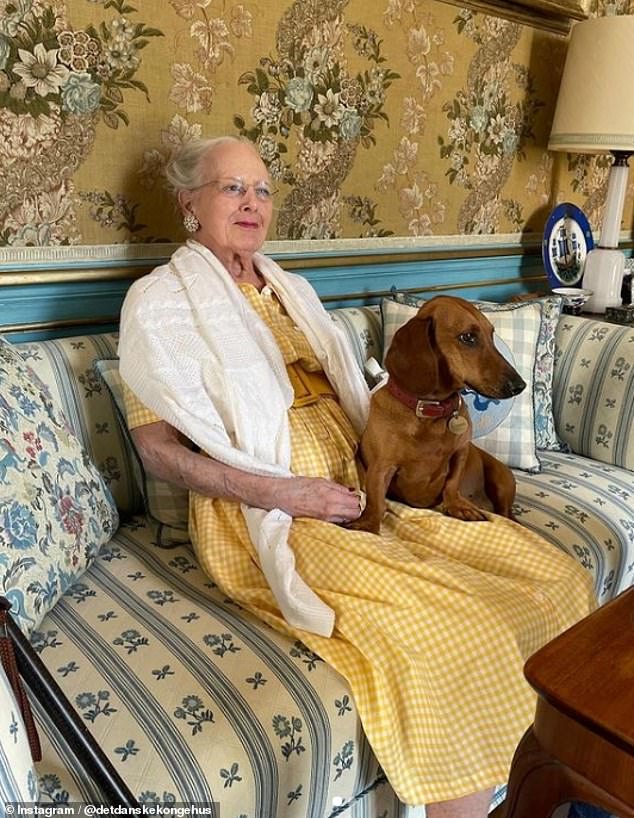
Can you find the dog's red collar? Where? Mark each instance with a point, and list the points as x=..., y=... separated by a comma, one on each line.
x=425, y=407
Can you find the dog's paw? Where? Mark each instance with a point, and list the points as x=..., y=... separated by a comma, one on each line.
x=364, y=525
x=466, y=511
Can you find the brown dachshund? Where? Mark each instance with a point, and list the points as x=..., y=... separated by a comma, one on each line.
x=417, y=444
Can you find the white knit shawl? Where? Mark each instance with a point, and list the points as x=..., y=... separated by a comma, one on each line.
x=195, y=352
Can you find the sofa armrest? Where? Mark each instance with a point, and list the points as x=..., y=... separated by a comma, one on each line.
x=593, y=389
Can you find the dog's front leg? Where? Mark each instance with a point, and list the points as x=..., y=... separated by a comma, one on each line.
x=455, y=504
x=378, y=478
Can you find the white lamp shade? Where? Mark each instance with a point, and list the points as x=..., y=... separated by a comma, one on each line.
x=595, y=106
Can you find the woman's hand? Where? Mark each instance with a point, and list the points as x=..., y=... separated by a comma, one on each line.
x=165, y=456
x=318, y=498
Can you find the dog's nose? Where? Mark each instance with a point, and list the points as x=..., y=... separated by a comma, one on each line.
x=516, y=384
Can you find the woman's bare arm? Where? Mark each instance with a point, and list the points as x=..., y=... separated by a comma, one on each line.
x=165, y=455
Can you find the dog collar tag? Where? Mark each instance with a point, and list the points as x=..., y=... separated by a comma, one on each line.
x=457, y=425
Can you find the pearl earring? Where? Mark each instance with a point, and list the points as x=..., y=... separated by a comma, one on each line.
x=190, y=223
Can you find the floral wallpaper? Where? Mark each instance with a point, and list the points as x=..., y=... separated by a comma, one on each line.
x=390, y=118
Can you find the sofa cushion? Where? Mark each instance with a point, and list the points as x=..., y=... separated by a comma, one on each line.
x=65, y=366
x=18, y=781
x=584, y=507
x=363, y=330
x=511, y=438
x=55, y=508
x=593, y=390
x=166, y=503
x=192, y=698
x=546, y=436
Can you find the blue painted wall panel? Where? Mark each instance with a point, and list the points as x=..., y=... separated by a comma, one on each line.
x=82, y=306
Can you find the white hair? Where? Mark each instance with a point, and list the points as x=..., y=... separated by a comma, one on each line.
x=183, y=171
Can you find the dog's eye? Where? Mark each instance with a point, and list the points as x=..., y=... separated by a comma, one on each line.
x=469, y=339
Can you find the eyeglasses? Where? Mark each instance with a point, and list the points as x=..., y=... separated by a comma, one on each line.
x=237, y=188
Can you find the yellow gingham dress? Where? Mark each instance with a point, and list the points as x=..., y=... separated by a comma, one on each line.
x=434, y=618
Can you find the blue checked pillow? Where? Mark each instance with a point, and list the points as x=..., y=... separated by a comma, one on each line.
x=512, y=438
x=546, y=436
x=18, y=780
x=56, y=510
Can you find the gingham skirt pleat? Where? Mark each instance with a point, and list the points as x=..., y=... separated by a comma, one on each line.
x=434, y=618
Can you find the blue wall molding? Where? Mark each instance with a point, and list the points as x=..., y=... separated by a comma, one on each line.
x=77, y=301
x=69, y=290
x=78, y=257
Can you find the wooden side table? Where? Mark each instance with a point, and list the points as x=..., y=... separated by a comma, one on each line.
x=581, y=745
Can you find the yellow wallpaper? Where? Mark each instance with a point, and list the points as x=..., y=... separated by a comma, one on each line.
x=375, y=117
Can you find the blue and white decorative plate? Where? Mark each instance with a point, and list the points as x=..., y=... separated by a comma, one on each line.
x=567, y=241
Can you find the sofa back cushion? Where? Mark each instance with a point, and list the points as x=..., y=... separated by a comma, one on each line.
x=363, y=329
x=66, y=366
x=165, y=503
x=593, y=389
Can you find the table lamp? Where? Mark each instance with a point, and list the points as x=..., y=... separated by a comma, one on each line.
x=595, y=114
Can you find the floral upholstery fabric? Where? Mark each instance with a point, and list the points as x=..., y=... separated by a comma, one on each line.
x=66, y=366
x=55, y=508
x=18, y=780
x=593, y=395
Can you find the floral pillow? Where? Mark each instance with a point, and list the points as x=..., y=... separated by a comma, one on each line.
x=18, y=781
x=55, y=509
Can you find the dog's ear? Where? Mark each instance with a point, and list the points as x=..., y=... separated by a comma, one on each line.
x=412, y=359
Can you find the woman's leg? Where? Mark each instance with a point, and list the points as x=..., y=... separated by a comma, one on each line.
x=475, y=805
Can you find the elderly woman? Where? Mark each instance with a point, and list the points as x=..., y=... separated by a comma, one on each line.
x=431, y=621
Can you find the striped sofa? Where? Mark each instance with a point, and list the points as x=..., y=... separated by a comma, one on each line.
x=194, y=700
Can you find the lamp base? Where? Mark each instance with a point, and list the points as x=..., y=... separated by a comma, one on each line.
x=603, y=274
